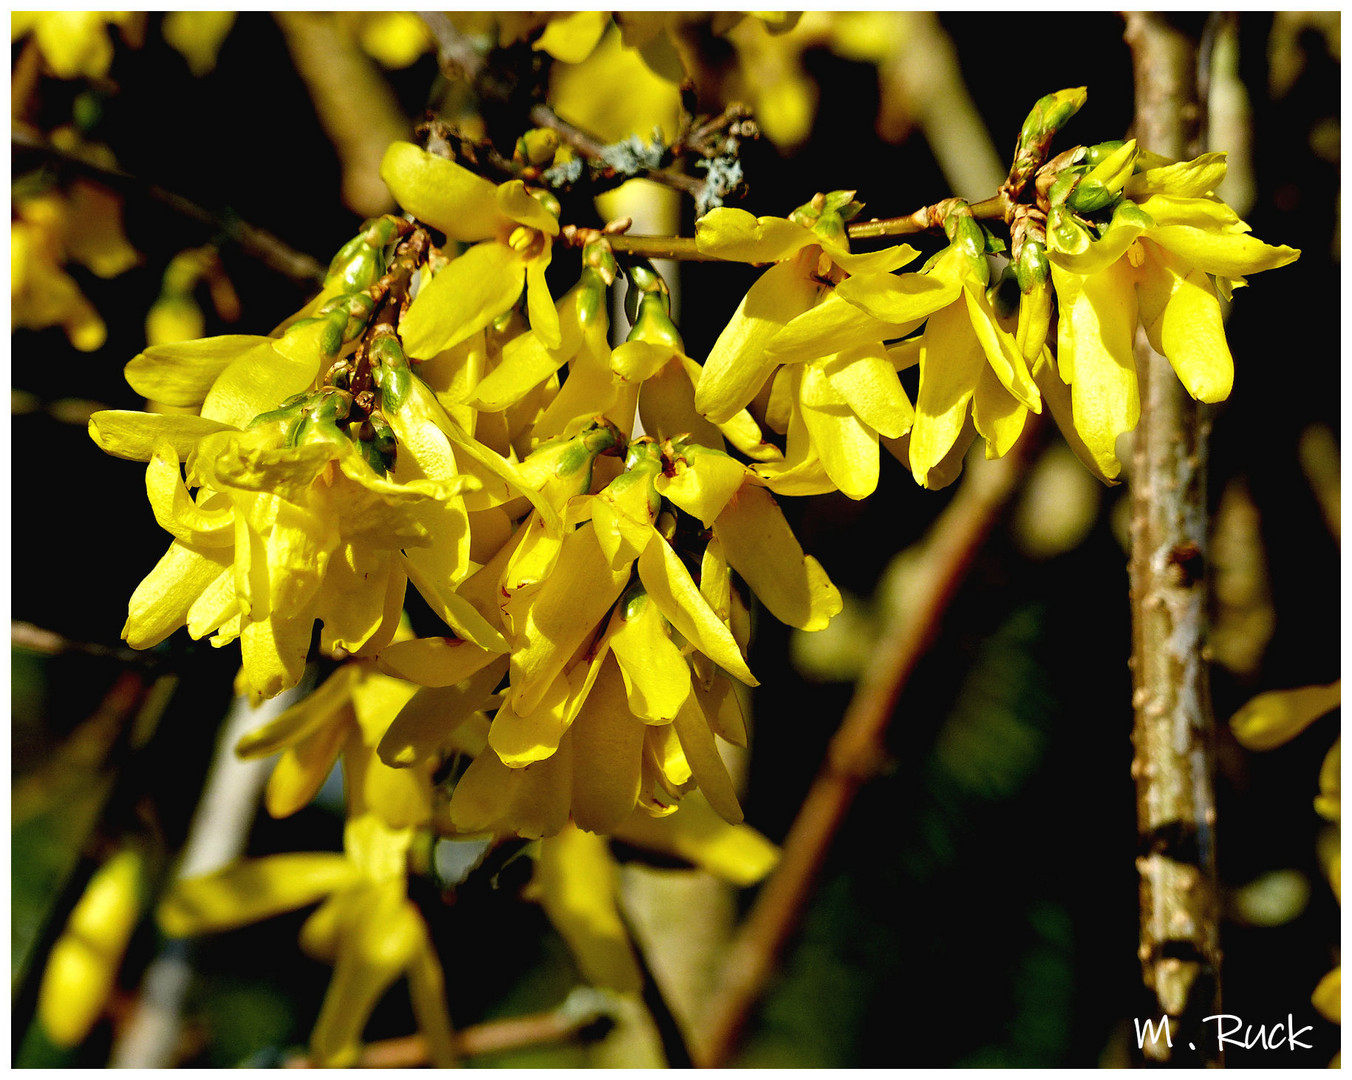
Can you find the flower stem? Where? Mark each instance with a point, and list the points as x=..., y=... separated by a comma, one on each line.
x=1173, y=732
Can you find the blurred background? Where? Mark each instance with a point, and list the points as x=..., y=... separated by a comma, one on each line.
x=979, y=904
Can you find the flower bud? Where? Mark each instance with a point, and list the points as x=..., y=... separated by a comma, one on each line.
x=84, y=962
x=1050, y=114
x=1089, y=196
x=537, y=147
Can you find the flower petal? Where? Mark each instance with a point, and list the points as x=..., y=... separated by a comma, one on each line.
x=608, y=744
x=134, y=435
x=706, y=766
x=252, y=890
x=759, y=545
x=182, y=373
x=737, y=365
x=671, y=588
x=463, y=298
x=447, y=196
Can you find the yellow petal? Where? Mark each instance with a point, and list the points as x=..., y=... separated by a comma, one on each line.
x=463, y=298
x=251, y=890
x=528, y=361
x=519, y=739
x=1057, y=396
x=1182, y=319
x=1278, y=716
x=867, y=380
x=421, y=730
x=737, y=365
x=847, y=447
x=608, y=745
x=706, y=766
x=182, y=373
x=702, y=483
x=656, y=676
x=433, y=661
x=1096, y=339
x=257, y=382
x=447, y=196
x=567, y=609
x=302, y=769
x=677, y=597
x=544, y=317
x=1328, y=996
x=571, y=37
x=518, y=204
x=998, y=415
x=274, y=652
x=898, y=298
x=951, y=359
x=160, y=604
x=1002, y=351
x=379, y=934
x=736, y=853
x=328, y=705
x=830, y=326
x=134, y=435
x=730, y=233
x=760, y=546
x=1187, y=179
x=578, y=884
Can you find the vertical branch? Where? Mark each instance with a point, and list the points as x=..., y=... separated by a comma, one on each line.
x=1173, y=767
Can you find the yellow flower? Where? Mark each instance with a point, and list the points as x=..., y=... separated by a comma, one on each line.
x=511, y=232
x=969, y=365
x=1160, y=261
x=82, y=224
x=198, y=36
x=74, y=43
x=366, y=927
x=577, y=880
x=614, y=698
x=816, y=322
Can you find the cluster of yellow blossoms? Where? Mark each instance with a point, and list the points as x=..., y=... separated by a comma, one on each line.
x=581, y=514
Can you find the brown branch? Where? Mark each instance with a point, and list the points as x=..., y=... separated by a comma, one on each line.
x=253, y=241
x=410, y=1051
x=925, y=219
x=1173, y=731
x=856, y=751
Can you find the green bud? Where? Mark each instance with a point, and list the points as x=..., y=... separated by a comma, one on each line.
x=1115, y=168
x=390, y=371
x=1069, y=234
x=654, y=325
x=599, y=256
x=357, y=266
x=1032, y=268
x=591, y=297
x=633, y=600
x=1050, y=114
x=1062, y=186
x=1094, y=155
x=1089, y=196
x=385, y=230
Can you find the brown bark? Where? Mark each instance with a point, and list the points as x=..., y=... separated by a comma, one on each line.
x=1173, y=733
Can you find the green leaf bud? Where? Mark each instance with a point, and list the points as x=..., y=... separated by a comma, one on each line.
x=653, y=324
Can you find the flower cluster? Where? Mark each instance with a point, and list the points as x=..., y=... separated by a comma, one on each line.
x=590, y=517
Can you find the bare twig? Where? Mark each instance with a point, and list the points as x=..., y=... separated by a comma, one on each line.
x=1173, y=733
x=253, y=241
x=856, y=751
x=410, y=1051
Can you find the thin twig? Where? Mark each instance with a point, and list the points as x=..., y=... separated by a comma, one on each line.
x=1173, y=732
x=856, y=752
x=253, y=241
x=494, y=1037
